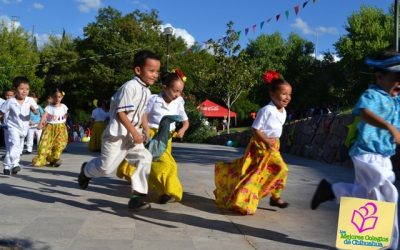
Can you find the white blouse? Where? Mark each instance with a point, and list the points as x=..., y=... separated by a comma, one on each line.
x=157, y=108
x=270, y=120
x=56, y=115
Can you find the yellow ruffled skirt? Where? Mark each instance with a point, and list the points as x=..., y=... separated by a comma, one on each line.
x=241, y=184
x=95, y=137
x=163, y=175
x=52, y=143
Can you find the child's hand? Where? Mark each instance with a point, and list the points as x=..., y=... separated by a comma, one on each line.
x=270, y=143
x=137, y=138
x=146, y=137
x=180, y=134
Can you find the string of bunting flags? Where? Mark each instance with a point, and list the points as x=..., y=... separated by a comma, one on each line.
x=277, y=17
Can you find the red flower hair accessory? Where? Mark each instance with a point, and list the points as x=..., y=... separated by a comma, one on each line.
x=180, y=74
x=269, y=76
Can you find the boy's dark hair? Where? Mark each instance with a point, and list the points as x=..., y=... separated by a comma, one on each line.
x=20, y=80
x=169, y=77
x=142, y=55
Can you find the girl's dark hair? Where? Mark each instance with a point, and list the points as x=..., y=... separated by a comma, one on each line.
x=20, y=80
x=168, y=78
x=276, y=83
x=141, y=57
x=99, y=103
x=57, y=90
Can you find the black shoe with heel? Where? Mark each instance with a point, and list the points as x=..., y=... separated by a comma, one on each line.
x=276, y=203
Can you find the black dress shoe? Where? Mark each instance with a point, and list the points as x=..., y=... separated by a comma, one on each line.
x=83, y=181
x=275, y=203
x=164, y=199
x=6, y=172
x=323, y=193
x=138, y=204
x=15, y=169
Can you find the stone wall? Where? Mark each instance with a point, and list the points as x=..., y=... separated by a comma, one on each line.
x=320, y=138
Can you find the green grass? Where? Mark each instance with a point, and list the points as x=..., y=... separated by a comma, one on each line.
x=234, y=130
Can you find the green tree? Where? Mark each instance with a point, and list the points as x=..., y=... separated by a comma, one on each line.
x=234, y=74
x=369, y=31
x=59, y=69
x=17, y=57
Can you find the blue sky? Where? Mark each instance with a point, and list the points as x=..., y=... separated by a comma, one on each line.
x=197, y=20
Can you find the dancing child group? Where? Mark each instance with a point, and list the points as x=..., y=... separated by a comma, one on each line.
x=135, y=115
x=23, y=117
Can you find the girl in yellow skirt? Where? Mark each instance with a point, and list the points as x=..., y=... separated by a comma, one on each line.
x=54, y=138
x=241, y=184
x=99, y=118
x=164, y=171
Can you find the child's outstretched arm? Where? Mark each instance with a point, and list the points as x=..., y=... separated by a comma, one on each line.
x=145, y=126
x=181, y=132
x=42, y=121
x=375, y=120
x=123, y=118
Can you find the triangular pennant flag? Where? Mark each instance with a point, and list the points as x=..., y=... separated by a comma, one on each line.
x=304, y=4
x=278, y=16
x=254, y=27
x=269, y=20
x=246, y=30
x=238, y=33
x=261, y=25
x=287, y=14
x=296, y=9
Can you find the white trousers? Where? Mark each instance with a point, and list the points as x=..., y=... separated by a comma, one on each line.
x=31, y=136
x=374, y=180
x=113, y=151
x=14, y=140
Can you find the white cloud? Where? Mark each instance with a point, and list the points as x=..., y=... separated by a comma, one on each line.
x=9, y=23
x=307, y=30
x=182, y=33
x=38, y=6
x=140, y=4
x=88, y=5
x=320, y=57
x=41, y=39
x=327, y=30
x=302, y=26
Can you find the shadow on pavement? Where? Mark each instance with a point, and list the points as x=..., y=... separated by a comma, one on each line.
x=223, y=226
x=200, y=203
x=18, y=243
x=191, y=154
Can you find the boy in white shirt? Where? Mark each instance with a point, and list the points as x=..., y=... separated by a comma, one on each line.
x=17, y=110
x=122, y=138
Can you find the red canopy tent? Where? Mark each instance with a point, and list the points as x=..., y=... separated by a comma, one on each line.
x=211, y=109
